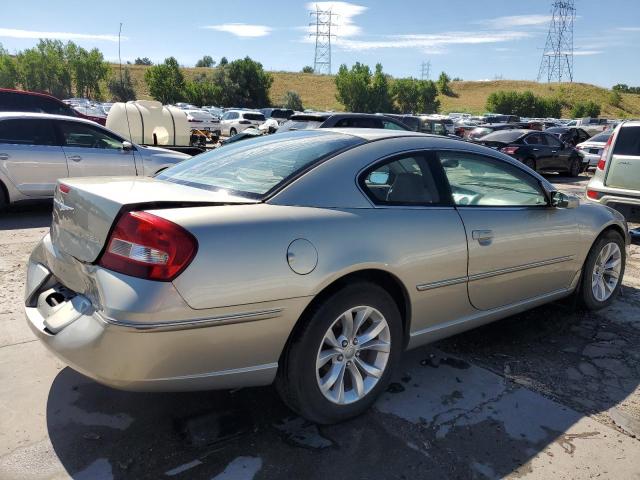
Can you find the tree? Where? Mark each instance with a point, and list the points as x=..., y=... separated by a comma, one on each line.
x=443, y=85
x=165, y=81
x=88, y=70
x=380, y=99
x=202, y=90
x=243, y=83
x=308, y=69
x=143, y=61
x=523, y=104
x=207, y=61
x=615, y=98
x=223, y=61
x=428, y=97
x=44, y=68
x=122, y=90
x=292, y=100
x=585, y=109
x=415, y=96
x=8, y=71
x=353, y=87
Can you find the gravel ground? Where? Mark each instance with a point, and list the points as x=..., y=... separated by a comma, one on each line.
x=550, y=393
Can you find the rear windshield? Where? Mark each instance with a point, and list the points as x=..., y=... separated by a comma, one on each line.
x=253, y=116
x=506, y=136
x=280, y=113
x=601, y=137
x=627, y=142
x=255, y=166
x=557, y=130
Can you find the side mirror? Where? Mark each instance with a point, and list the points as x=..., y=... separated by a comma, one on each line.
x=127, y=146
x=564, y=200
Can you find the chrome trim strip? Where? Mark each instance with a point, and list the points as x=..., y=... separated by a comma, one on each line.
x=518, y=268
x=194, y=323
x=441, y=283
x=479, y=276
x=233, y=371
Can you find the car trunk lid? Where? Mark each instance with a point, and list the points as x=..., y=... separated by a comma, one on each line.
x=86, y=208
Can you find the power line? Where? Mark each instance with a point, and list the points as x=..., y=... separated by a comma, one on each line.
x=425, y=70
x=323, y=35
x=557, y=57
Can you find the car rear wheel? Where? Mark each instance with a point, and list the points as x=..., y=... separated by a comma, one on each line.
x=574, y=167
x=232, y=132
x=603, y=271
x=531, y=163
x=343, y=355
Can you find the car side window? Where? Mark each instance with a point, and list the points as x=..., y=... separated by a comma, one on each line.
x=234, y=116
x=406, y=180
x=76, y=134
x=439, y=128
x=27, y=132
x=533, y=139
x=552, y=141
x=481, y=181
x=391, y=126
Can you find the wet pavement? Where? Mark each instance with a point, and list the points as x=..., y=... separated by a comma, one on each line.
x=550, y=393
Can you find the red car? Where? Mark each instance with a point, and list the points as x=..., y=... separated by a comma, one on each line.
x=23, y=101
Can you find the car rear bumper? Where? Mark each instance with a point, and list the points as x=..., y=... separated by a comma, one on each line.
x=627, y=205
x=166, y=347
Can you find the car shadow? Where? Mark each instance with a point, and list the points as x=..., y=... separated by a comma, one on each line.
x=36, y=214
x=467, y=407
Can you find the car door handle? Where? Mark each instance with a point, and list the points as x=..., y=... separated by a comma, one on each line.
x=536, y=149
x=4, y=156
x=554, y=151
x=75, y=158
x=483, y=237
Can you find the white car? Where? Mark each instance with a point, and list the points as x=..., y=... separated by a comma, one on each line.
x=201, y=120
x=592, y=148
x=235, y=121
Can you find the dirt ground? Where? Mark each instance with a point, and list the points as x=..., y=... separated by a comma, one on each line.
x=550, y=393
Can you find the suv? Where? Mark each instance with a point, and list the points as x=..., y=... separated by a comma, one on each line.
x=616, y=182
x=234, y=121
x=23, y=101
x=37, y=149
x=304, y=121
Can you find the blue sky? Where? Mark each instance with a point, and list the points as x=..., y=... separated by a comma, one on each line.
x=471, y=39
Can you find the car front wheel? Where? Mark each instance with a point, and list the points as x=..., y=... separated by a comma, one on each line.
x=343, y=355
x=603, y=271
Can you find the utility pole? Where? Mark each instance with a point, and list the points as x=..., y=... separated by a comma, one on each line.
x=425, y=70
x=557, y=58
x=323, y=23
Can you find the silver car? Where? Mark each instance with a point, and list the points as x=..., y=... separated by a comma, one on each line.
x=310, y=258
x=37, y=149
x=235, y=121
x=616, y=181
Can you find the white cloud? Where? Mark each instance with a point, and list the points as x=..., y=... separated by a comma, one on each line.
x=629, y=29
x=343, y=14
x=516, y=21
x=432, y=43
x=242, y=30
x=583, y=53
x=14, y=33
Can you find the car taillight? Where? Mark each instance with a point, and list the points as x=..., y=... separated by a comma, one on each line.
x=509, y=150
x=593, y=194
x=146, y=246
x=605, y=151
x=64, y=188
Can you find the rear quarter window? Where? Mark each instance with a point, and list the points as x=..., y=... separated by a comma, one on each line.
x=628, y=142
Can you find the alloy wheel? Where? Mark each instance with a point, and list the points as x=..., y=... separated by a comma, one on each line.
x=353, y=355
x=606, y=271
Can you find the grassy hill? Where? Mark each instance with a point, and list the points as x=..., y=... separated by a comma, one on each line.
x=319, y=92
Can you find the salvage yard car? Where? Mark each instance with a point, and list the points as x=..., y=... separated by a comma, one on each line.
x=310, y=258
x=36, y=149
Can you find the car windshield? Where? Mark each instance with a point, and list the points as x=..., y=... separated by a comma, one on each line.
x=254, y=167
x=298, y=125
x=601, y=137
x=505, y=136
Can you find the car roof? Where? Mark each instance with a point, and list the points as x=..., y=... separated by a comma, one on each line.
x=372, y=134
x=45, y=116
x=33, y=94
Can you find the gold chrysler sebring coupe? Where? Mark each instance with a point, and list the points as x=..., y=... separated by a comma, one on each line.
x=311, y=259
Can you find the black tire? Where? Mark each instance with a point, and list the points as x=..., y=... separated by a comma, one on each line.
x=574, y=167
x=232, y=132
x=585, y=290
x=531, y=163
x=296, y=380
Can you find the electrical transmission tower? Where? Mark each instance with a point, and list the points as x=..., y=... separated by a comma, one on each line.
x=557, y=57
x=425, y=70
x=323, y=35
